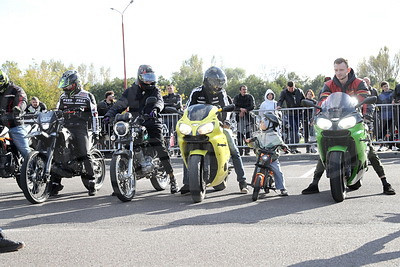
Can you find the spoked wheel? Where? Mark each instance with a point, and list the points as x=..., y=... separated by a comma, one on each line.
x=35, y=185
x=196, y=181
x=99, y=169
x=160, y=179
x=124, y=186
x=337, y=180
x=257, y=186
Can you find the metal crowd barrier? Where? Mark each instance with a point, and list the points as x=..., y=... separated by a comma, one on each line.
x=297, y=127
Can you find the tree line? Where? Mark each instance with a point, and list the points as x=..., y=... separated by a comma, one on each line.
x=41, y=79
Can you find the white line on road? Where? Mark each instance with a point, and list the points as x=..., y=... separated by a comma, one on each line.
x=307, y=174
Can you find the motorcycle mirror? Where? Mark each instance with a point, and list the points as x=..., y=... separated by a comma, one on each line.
x=368, y=100
x=151, y=100
x=228, y=108
x=309, y=104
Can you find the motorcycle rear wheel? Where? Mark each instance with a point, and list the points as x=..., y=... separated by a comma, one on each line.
x=99, y=169
x=196, y=181
x=35, y=185
x=124, y=187
x=337, y=179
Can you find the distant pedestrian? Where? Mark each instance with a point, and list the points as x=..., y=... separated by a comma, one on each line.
x=35, y=106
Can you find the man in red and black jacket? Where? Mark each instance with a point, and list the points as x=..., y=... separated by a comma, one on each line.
x=13, y=102
x=345, y=81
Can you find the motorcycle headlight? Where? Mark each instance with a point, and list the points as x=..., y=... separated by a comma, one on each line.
x=324, y=124
x=264, y=157
x=347, y=123
x=185, y=129
x=206, y=128
x=121, y=128
x=45, y=126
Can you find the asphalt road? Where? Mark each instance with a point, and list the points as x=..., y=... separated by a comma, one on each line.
x=226, y=229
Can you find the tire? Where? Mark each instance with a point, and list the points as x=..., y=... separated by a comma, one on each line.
x=257, y=186
x=337, y=181
x=160, y=179
x=99, y=169
x=355, y=186
x=124, y=187
x=35, y=185
x=196, y=182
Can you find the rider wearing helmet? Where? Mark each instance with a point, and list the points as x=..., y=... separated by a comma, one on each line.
x=134, y=98
x=212, y=92
x=75, y=98
x=13, y=102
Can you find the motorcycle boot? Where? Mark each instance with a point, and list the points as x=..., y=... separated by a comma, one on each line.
x=92, y=188
x=173, y=184
x=55, y=188
x=7, y=245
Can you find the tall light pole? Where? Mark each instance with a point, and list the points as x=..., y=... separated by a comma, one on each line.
x=123, y=40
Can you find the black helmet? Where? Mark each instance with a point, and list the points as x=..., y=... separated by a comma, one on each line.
x=3, y=81
x=214, y=80
x=274, y=120
x=146, y=78
x=69, y=81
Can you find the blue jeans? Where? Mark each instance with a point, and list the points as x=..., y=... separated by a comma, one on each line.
x=236, y=159
x=278, y=175
x=294, y=129
x=18, y=135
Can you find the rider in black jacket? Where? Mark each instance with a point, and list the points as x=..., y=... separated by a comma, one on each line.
x=134, y=98
x=75, y=98
x=13, y=103
x=213, y=93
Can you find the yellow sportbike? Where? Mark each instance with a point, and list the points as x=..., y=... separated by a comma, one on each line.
x=204, y=148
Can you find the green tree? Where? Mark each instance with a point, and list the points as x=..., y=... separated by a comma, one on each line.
x=189, y=76
x=381, y=67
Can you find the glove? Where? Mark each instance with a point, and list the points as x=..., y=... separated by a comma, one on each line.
x=154, y=113
x=106, y=122
x=16, y=111
x=95, y=138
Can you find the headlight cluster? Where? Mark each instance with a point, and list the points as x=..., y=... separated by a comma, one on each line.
x=121, y=128
x=45, y=126
x=347, y=123
x=185, y=129
x=344, y=123
x=206, y=128
x=203, y=129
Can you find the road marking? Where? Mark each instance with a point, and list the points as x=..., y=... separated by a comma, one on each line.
x=308, y=174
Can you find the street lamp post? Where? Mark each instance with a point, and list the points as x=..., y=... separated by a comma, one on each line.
x=123, y=40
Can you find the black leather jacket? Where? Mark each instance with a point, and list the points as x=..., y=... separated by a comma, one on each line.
x=13, y=96
x=134, y=98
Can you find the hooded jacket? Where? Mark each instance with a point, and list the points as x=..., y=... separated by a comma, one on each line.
x=268, y=104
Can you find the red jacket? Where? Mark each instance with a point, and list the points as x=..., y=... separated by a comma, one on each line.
x=353, y=87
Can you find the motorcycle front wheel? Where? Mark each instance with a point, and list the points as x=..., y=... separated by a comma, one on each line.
x=99, y=169
x=124, y=186
x=337, y=179
x=35, y=185
x=257, y=186
x=197, y=184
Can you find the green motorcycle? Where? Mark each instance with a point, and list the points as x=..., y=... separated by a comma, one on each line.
x=342, y=139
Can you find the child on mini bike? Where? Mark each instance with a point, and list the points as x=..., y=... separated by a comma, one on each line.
x=267, y=143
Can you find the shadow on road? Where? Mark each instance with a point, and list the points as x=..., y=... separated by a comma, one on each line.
x=364, y=255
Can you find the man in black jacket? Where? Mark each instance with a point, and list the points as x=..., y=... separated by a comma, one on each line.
x=13, y=102
x=134, y=98
x=244, y=103
x=292, y=96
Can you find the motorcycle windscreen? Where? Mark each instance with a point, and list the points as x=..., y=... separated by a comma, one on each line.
x=199, y=112
x=338, y=105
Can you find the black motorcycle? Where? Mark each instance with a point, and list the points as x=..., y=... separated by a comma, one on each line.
x=134, y=158
x=54, y=158
x=10, y=158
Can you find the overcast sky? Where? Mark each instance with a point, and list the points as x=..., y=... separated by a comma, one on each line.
x=256, y=35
